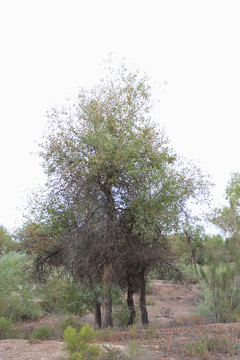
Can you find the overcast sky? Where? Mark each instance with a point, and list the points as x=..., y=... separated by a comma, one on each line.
x=49, y=48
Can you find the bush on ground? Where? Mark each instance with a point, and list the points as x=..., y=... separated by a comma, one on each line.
x=17, y=293
x=6, y=329
x=77, y=343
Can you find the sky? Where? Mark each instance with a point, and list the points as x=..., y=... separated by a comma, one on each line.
x=50, y=48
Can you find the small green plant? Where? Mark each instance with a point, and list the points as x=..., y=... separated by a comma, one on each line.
x=77, y=343
x=104, y=334
x=135, y=351
x=110, y=353
x=132, y=331
x=151, y=333
x=150, y=302
x=121, y=315
x=209, y=344
x=70, y=321
x=166, y=311
x=5, y=328
x=198, y=349
x=41, y=333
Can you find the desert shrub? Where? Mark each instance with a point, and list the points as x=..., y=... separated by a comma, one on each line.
x=104, y=334
x=110, y=353
x=77, y=343
x=188, y=273
x=70, y=321
x=220, y=293
x=121, y=315
x=150, y=302
x=132, y=331
x=190, y=320
x=60, y=295
x=120, y=308
x=166, y=311
x=5, y=328
x=151, y=333
x=17, y=293
x=42, y=333
x=210, y=344
x=135, y=351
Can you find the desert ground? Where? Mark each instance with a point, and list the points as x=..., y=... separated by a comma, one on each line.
x=174, y=324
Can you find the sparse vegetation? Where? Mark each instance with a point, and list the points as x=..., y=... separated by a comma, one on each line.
x=6, y=328
x=115, y=213
x=41, y=333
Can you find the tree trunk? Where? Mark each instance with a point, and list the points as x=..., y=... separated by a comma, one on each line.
x=143, y=308
x=107, y=294
x=130, y=302
x=194, y=263
x=97, y=315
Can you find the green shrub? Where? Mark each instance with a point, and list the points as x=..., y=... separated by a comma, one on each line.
x=77, y=343
x=151, y=333
x=5, y=328
x=41, y=333
x=210, y=344
x=220, y=293
x=70, y=321
x=121, y=315
x=61, y=296
x=104, y=334
x=18, y=295
x=166, y=311
x=110, y=353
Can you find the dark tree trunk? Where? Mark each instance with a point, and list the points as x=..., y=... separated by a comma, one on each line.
x=97, y=315
x=107, y=294
x=130, y=302
x=194, y=263
x=143, y=308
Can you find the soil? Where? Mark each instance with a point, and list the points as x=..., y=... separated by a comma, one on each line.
x=172, y=310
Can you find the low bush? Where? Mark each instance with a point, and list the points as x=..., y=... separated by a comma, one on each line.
x=70, y=321
x=78, y=343
x=6, y=329
x=204, y=346
x=42, y=333
x=17, y=293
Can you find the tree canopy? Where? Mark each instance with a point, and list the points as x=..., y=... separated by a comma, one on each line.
x=114, y=188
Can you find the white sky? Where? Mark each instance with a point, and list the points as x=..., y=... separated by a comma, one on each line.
x=48, y=48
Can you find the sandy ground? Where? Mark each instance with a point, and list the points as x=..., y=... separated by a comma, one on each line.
x=168, y=304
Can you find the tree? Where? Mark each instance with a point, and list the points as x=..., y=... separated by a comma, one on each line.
x=114, y=184
x=221, y=278
x=192, y=238
x=7, y=243
x=227, y=218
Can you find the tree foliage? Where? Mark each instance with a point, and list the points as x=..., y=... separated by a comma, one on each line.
x=114, y=188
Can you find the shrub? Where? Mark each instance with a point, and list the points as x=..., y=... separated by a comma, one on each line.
x=110, y=353
x=210, y=344
x=41, y=333
x=121, y=315
x=5, y=328
x=166, y=311
x=70, y=321
x=17, y=293
x=221, y=295
x=77, y=343
x=104, y=334
x=132, y=331
x=60, y=295
x=151, y=333
x=135, y=351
